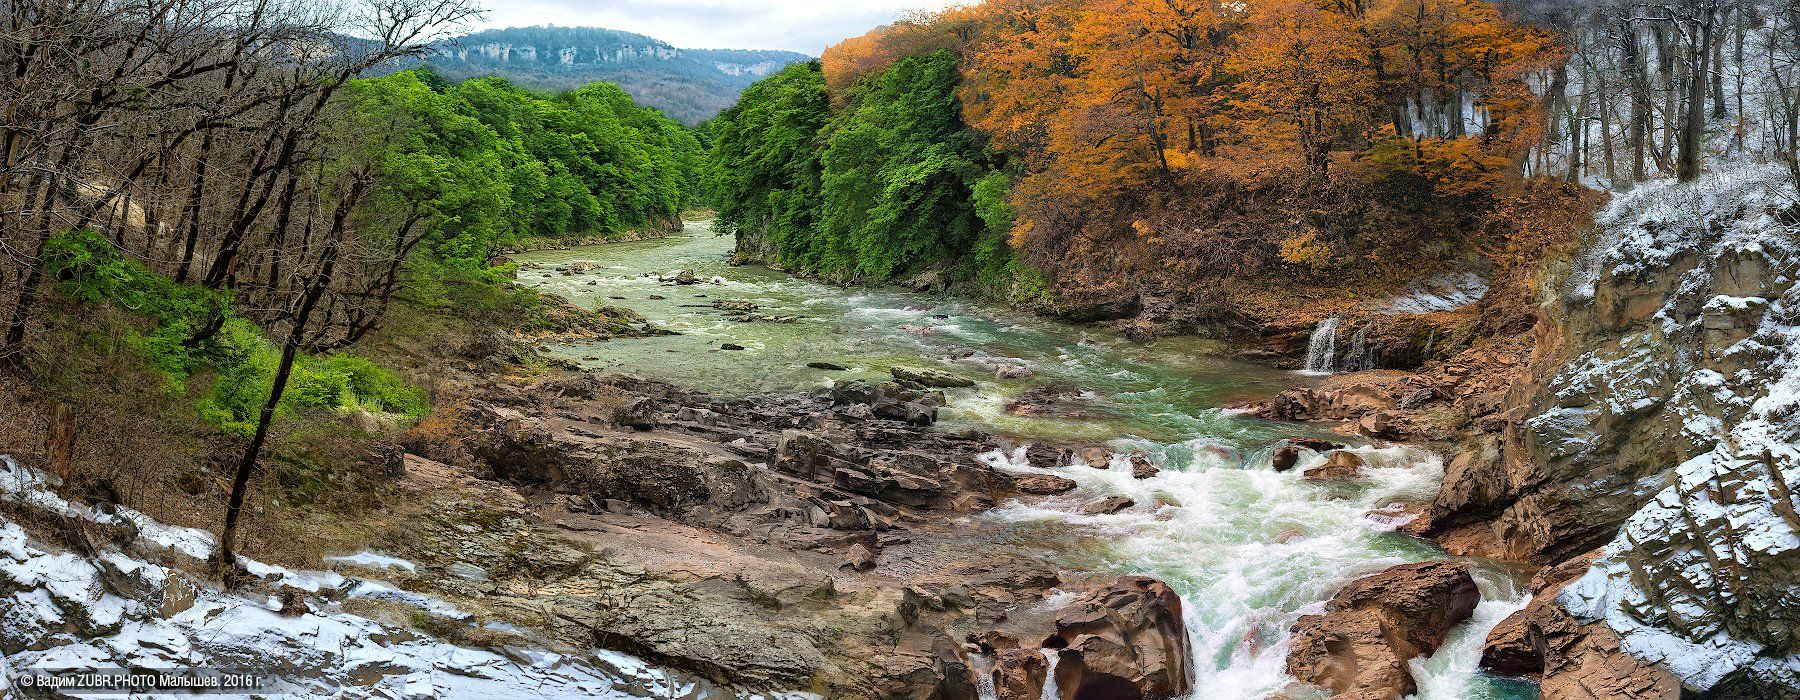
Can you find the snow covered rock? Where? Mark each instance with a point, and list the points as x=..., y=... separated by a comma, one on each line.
x=66, y=611
x=1676, y=425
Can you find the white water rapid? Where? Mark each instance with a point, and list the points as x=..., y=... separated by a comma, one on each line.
x=1251, y=550
x=1321, y=348
x=1051, y=656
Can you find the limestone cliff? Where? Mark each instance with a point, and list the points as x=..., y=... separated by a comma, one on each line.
x=1662, y=424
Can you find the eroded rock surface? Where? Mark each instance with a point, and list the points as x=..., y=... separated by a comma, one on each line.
x=813, y=541
x=1359, y=648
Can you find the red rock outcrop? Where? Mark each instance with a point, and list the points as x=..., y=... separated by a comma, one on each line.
x=1573, y=660
x=1359, y=647
x=1125, y=641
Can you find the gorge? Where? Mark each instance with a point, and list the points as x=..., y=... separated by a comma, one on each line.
x=1017, y=350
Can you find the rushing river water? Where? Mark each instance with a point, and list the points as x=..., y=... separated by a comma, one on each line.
x=1250, y=549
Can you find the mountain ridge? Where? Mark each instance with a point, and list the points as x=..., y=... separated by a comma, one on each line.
x=690, y=85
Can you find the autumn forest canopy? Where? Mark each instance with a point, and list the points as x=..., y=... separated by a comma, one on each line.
x=1175, y=143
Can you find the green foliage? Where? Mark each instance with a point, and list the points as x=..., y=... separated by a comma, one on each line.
x=483, y=164
x=892, y=183
x=239, y=359
x=91, y=270
x=764, y=171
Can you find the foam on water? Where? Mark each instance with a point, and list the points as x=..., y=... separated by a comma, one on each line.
x=1251, y=550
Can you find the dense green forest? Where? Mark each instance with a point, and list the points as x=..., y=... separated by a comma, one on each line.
x=888, y=183
x=476, y=167
x=496, y=163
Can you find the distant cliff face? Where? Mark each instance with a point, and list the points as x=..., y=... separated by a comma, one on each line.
x=691, y=85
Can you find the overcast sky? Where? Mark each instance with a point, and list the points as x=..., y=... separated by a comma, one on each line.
x=807, y=26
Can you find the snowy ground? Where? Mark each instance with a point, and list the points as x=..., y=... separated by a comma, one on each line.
x=62, y=610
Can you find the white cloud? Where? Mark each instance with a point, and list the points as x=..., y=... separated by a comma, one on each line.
x=796, y=25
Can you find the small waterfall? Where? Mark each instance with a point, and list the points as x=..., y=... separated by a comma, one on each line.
x=1430, y=344
x=1361, y=356
x=984, y=677
x=1051, y=692
x=1321, y=348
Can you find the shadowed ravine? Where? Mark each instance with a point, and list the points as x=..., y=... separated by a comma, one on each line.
x=1249, y=549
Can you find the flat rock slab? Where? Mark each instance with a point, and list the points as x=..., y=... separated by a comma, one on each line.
x=926, y=376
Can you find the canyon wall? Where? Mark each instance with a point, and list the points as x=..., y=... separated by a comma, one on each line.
x=1657, y=422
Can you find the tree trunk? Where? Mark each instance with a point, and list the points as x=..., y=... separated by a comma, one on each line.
x=59, y=440
x=1687, y=163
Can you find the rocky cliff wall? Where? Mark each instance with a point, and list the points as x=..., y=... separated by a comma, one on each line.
x=1660, y=422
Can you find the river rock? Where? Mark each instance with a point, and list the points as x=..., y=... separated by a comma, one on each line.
x=639, y=413
x=734, y=304
x=1141, y=466
x=1339, y=464
x=1019, y=674
x=684, y=277
x=1359, y=648
x=1043, y=456
x=1012, y=372
x=1126, y=640
x=926, y=376
x=1285, y=457
x=730, y=346
x=827, y=366
x=1096, y=457
x=1107, y=506
x=1382, y=425
x=1043, y=484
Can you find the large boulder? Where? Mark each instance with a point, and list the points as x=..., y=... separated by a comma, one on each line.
x=1359, y=648
x=1043, y=484
x=1339, y=464
x=1125, y=641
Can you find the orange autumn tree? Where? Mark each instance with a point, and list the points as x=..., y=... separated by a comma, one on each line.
x=1164, y=124
x=916, y=34
x=1460, y=112
x=1306, y=77
x=1018, y=78
x=1150, y=74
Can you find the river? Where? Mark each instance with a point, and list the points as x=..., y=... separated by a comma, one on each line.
x=1250, y=549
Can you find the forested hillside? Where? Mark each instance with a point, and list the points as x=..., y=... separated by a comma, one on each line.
x=1191, y=165
x=203, y=225
x=690, y=85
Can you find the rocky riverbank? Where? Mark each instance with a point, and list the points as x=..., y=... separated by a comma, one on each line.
x=816, y=542
x=1635, y=447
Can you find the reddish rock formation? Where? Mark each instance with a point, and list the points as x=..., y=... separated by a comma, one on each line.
x=1125, y=641
x=1107, y=505
x=1360, y=646
x=1573, y=660
x=1043, y=484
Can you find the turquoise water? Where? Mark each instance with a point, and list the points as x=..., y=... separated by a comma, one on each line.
x=1249, y=549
